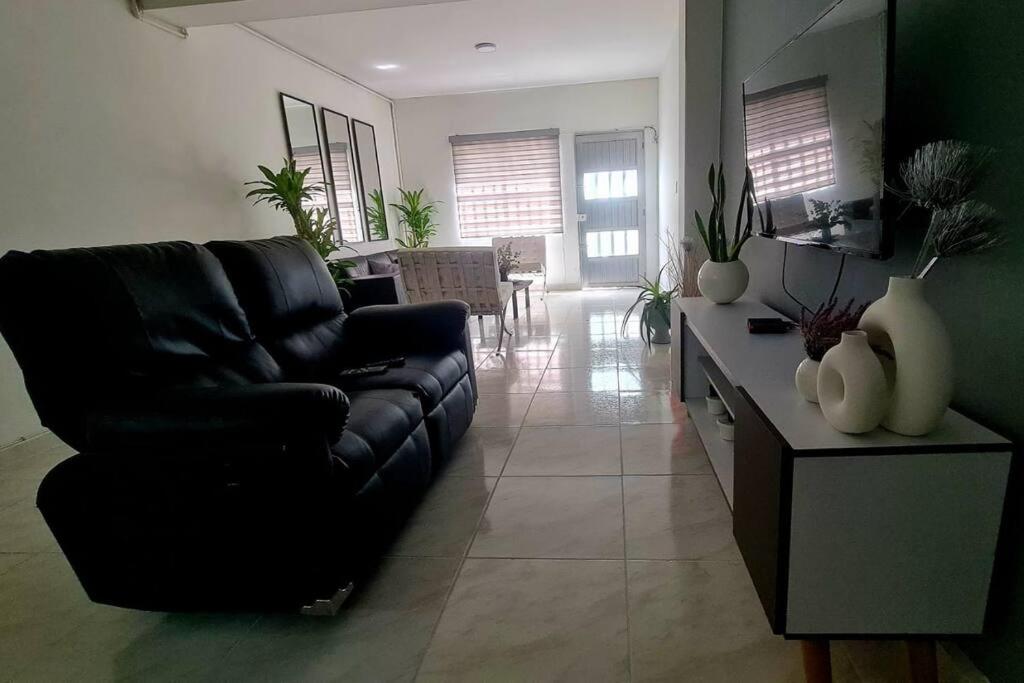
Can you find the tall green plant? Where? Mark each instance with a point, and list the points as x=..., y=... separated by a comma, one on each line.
x=286, y=191
x=714, y=233
x=376, y=215
x=417, y=216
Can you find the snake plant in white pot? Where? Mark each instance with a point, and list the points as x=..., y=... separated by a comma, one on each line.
x=724, y=277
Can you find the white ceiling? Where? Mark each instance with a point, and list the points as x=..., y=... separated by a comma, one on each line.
x=540, y=42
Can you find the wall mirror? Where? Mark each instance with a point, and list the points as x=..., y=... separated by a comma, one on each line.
x=304, y=144
x=342, y=173
x=374, y=212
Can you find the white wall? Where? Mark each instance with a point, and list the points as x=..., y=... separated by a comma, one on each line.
x=670, y=171
x=425, y=123
x=115, y=132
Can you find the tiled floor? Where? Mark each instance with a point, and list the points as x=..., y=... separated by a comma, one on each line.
x=578, y=535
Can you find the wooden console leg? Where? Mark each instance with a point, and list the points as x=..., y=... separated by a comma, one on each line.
x=923, y=665
x=817, y=661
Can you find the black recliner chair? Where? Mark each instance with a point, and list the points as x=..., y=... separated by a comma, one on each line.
x=223, y=463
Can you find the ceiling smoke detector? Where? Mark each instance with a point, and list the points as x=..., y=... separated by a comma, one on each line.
x=485, y=47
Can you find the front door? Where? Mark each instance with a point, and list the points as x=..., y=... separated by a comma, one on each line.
x=610, y=207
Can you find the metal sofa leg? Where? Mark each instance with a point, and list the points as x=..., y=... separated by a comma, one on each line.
x=328, y=607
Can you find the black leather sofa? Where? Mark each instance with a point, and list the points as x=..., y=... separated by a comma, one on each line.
x=376, y=281
x=222, y=463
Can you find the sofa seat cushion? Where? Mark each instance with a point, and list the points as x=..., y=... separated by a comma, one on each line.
x=379, y=422
x=430, y=376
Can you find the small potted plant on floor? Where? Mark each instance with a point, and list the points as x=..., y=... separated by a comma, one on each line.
x=723, y=278
x=655, y=304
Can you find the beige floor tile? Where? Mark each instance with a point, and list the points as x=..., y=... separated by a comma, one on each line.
x=663, y=449
x=497, y=410
x=482, y=452
x=380, y=634
x=532, y=620
x=677, y=518
x=445, y=520
x=33, y=458
x=517, y=360
x=554, y=451
x=576, y=357
x=644, y=378
x=640, y=356
x=508, y=381
x=552, y=517
x=702, y=621
x=579, y=379
x=574, y=408
x=532, y=342
x=650, y=407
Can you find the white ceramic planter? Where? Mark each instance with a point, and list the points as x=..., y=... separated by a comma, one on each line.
x=807, y=379
x=723, y=283
x=715, y=405
x=852, y=388
x=726, y=429
x=920, y=373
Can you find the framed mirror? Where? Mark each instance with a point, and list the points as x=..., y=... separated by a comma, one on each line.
x=303, y=141
x=342, y=173
x=374, y=210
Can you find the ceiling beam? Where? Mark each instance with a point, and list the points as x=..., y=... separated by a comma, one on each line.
x=188, y=13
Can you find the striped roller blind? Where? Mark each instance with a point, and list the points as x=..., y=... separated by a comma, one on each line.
x=508, y=184
x=789, y=140
x=344, y=192
x=309, y=157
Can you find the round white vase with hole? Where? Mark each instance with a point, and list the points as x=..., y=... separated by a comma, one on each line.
x=723, y=282
x=917, y=356
x=807, y=379
x=852, y=388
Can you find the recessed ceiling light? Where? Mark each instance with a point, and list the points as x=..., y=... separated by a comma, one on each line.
x=485, y=47
x=387, y=67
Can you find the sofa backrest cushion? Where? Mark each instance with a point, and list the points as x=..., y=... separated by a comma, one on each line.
x=360, y=266
x=89, y=325
x=291, y=300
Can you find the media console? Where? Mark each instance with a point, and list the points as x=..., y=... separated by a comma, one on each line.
x=844, y=536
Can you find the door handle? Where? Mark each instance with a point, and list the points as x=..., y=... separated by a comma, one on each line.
x=581, y=218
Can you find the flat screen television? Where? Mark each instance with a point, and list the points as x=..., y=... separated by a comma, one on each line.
x=814, y=119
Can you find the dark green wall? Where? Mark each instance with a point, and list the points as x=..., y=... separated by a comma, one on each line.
x=959, y=74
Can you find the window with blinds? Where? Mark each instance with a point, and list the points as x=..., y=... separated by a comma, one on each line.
x=309, y=157
x=508, y=184
x=789, y=138
x=344, y=192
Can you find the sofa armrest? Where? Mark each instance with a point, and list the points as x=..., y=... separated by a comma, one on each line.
x=256, y=416
x=388, y=331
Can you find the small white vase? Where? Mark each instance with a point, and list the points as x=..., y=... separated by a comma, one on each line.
x=852, y=388
x=920, y=372
x=723, y=283
x=807, y=379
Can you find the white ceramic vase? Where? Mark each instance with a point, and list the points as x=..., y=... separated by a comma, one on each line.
x=807, y=379
x=723, y=283
x=852, y=389
x=920, y=371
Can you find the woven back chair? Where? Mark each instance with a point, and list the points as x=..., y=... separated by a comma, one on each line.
x=468, y=274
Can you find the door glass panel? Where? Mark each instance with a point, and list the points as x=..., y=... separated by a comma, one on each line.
x=610, y=184
x=604, y=243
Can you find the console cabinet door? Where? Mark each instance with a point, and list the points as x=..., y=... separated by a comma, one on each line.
x=763, y=479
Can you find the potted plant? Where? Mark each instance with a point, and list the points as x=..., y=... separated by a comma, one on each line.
x=417, y=216
x=508, y=260
x=656, y=303
x=287, y=190
x=723, y=277
x=376, y=216
x=821, y=331
x=940, y=178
